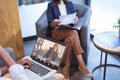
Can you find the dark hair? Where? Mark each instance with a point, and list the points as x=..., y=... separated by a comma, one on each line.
x=56, y=2
x=54, y=46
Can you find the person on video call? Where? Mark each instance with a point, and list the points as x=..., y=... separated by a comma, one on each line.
x=16, y=70
x=52, y=52
x=70, y=37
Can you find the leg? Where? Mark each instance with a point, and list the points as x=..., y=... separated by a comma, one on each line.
x=76, y=46
x=68, y=57
x=64, y=35
x=105, y=66
x=101, y=58
x=72, y=41
x=82, y=67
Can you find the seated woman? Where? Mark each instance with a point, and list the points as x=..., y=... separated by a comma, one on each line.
x=68, y=36
x=52, y=53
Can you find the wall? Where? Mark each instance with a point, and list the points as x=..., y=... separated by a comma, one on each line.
x=29, y=14
x=104, y=14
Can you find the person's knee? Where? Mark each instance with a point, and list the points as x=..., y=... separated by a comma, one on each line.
x=74, y=33
x=68, y=41
x=58, y=76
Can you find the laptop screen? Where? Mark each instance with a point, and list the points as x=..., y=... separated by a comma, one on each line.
x=48, y=51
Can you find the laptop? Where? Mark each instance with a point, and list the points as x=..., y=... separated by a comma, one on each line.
x=46, y=56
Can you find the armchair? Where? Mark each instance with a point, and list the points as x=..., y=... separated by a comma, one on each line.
x=83, y=11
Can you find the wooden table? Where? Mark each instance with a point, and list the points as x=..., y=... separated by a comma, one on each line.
x=109, y=43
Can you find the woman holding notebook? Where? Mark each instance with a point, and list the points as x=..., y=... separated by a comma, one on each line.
x=70, y=37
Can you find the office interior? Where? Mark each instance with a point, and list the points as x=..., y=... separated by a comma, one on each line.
x=17, y=27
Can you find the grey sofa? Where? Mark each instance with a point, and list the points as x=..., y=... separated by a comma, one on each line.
x=83, y=13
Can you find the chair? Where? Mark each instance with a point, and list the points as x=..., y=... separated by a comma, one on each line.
x=83, y=11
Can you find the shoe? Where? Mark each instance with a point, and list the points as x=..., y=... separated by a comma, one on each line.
x=86, y=73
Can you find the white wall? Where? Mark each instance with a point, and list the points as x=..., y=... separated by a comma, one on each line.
x=104, y=14
x=29, y=14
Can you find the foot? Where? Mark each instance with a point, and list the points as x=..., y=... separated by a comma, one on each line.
x=85, y=72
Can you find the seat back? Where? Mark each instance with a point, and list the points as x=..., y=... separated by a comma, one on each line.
x=41, y=25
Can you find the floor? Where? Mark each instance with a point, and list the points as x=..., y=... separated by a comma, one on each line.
x=93, y=60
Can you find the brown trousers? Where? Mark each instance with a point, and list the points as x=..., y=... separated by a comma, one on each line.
x=72, y=41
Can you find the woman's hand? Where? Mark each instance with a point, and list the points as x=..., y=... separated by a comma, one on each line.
x=75, y=20
x=55, y=23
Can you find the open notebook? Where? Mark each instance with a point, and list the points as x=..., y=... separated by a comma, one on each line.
x=46, y=57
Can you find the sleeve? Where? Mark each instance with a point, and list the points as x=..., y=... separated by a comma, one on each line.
x=50, y=14
x=17, y=72
x=70, y=8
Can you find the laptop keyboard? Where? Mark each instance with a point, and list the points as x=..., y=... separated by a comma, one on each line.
x=40, y=70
